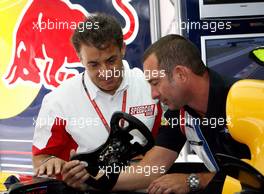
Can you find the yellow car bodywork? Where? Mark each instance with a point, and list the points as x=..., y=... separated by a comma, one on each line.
x=3, y=177
x=245, y=109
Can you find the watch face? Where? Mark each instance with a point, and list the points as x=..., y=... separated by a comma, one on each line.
x=194, y=182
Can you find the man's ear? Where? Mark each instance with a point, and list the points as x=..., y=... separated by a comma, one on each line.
x=180, y=73
x=123, y=49
x=79, y=56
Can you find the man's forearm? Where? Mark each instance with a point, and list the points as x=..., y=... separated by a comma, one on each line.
x=135, y=180
x=154, y=164
x=205, y=178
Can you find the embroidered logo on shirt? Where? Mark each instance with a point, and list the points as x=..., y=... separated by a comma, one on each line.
x=147, y=110
x=196, y=143
x=164, y=122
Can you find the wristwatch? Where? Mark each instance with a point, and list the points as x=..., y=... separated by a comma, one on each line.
x=193, y=182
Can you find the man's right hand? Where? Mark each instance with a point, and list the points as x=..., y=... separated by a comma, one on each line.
x=50, y=166
x=75, y=174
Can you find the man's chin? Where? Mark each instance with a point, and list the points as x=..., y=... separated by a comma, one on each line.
x=108, y=89
x=169, y=106
x=172, y=107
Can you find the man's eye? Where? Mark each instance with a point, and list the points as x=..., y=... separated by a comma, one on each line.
x=93, y=64
x=111, y=61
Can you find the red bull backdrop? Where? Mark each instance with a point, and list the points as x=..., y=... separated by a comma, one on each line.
x=37, y=56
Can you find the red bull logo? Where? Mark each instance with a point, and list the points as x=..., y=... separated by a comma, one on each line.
x=42, y=52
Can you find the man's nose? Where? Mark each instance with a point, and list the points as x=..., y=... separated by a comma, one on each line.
x=105, y=67
x=105, y=71
x=155, y=93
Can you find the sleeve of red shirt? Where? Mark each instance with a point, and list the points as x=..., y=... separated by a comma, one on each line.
x=51, y=136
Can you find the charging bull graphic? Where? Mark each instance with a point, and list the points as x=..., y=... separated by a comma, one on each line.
x=42, y=52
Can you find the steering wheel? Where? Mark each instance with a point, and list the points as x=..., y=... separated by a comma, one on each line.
x=119, y=148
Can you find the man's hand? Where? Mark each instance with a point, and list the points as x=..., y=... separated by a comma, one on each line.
x=50, y=166
x=169, y=183
x=75, y=174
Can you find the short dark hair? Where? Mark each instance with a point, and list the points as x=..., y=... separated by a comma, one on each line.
x=108, y=31
x=173, y=50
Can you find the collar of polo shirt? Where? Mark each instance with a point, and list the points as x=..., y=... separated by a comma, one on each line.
x=94, y=90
